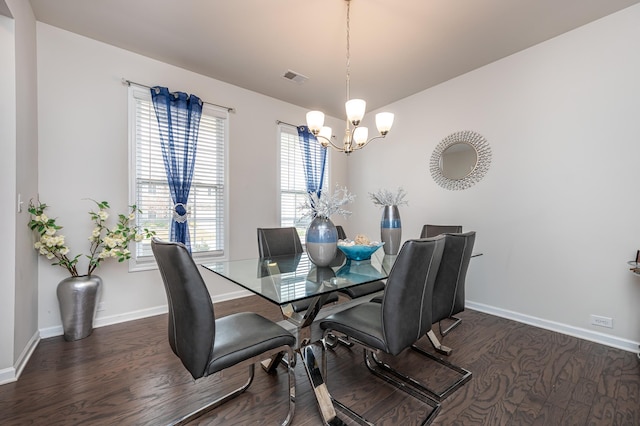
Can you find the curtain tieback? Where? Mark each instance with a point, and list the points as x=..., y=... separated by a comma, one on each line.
x=180, y=213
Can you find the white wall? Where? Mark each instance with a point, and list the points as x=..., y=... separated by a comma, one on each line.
x=7, y=192
x=83, y=154
x=18, y=165
x=557, y=214
x=26, y=170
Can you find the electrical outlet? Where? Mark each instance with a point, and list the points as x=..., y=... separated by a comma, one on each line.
x=101, y=306
x=602, y=321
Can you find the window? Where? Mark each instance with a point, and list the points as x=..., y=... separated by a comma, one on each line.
x=293, y=188
x=149, y=189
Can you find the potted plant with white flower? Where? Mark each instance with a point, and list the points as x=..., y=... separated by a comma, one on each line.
x=390, y=224
x=322, y=236
x=77, y=294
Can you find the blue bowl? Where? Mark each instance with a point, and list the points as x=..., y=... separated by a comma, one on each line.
x=359, y=252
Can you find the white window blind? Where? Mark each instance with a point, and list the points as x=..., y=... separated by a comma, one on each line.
x=293, y=188
x=150, y=190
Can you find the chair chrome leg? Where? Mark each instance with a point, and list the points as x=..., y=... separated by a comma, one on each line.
x=218, y=402
x=456, y=323
x=331, y=341
x=203, y=410
x=344, y=341
x=444, y=350
x=465, y=375
x=371, y=359
x=435, y=406
x=270, y=365
x=402, y=382
x=323, y=377
x=352, y=414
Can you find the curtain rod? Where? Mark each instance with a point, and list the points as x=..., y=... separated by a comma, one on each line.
x=284, y=122
x=129, y=83
x=293, y=125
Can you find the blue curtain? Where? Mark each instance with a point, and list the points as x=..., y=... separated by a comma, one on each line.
x=314, y=159
x=178, y=117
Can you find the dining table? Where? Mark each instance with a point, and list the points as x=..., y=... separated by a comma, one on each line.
x=283, y=280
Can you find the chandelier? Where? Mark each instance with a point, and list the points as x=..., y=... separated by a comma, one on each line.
x=356, y=137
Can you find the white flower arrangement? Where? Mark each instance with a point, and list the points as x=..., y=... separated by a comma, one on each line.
x=327, y=205
x=105, y=242
x=384, y=197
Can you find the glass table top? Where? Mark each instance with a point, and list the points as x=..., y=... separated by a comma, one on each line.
x=285, y=279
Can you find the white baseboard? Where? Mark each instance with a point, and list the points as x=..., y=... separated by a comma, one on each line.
x=230, y=296
x=108, y=320
x=8, y=375
x=12, y=374
x=134, y=315
x=582, y=333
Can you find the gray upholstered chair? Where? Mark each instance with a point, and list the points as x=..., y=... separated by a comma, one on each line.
x=403, y=317
x=273, y=242
x=207, y=345
x=278, y=242
x=449, y=288
x=341, y=234
x=429, y=231
x=434, y=230
x=361, y=290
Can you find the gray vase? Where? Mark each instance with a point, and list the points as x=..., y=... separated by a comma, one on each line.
x=391, y=229
x=322, y=241
x=78, y=298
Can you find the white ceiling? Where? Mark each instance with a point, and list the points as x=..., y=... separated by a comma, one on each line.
x=398, y=48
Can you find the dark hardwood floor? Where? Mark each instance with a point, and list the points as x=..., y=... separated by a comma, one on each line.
x=126, y=374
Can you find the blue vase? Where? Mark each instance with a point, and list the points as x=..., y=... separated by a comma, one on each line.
x=322, y=241
x=391, y=229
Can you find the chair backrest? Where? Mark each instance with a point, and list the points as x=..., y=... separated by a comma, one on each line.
x=406, y=304
x=278, y=241
x=433, y=230
x=448, y=291
x=191, y=316
x=341, y=234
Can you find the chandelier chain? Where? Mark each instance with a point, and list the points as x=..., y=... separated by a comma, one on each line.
x=348, y=49
x=355, y=109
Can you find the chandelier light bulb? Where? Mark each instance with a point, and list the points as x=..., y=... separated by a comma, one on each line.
x=384, y=121
x=355, y=110
x=325, y=133
x=315, y=121
x=360, y=135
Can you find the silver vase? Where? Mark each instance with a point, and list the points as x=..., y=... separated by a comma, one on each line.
x=78, y=298
x=391, y=229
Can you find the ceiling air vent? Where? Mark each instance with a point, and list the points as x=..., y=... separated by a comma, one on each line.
x=295, y=77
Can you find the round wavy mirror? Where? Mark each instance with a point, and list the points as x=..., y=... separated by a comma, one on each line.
x=460, y=160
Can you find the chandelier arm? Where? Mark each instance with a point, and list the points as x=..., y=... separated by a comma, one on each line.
x=334, y=146
x=367, y=142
